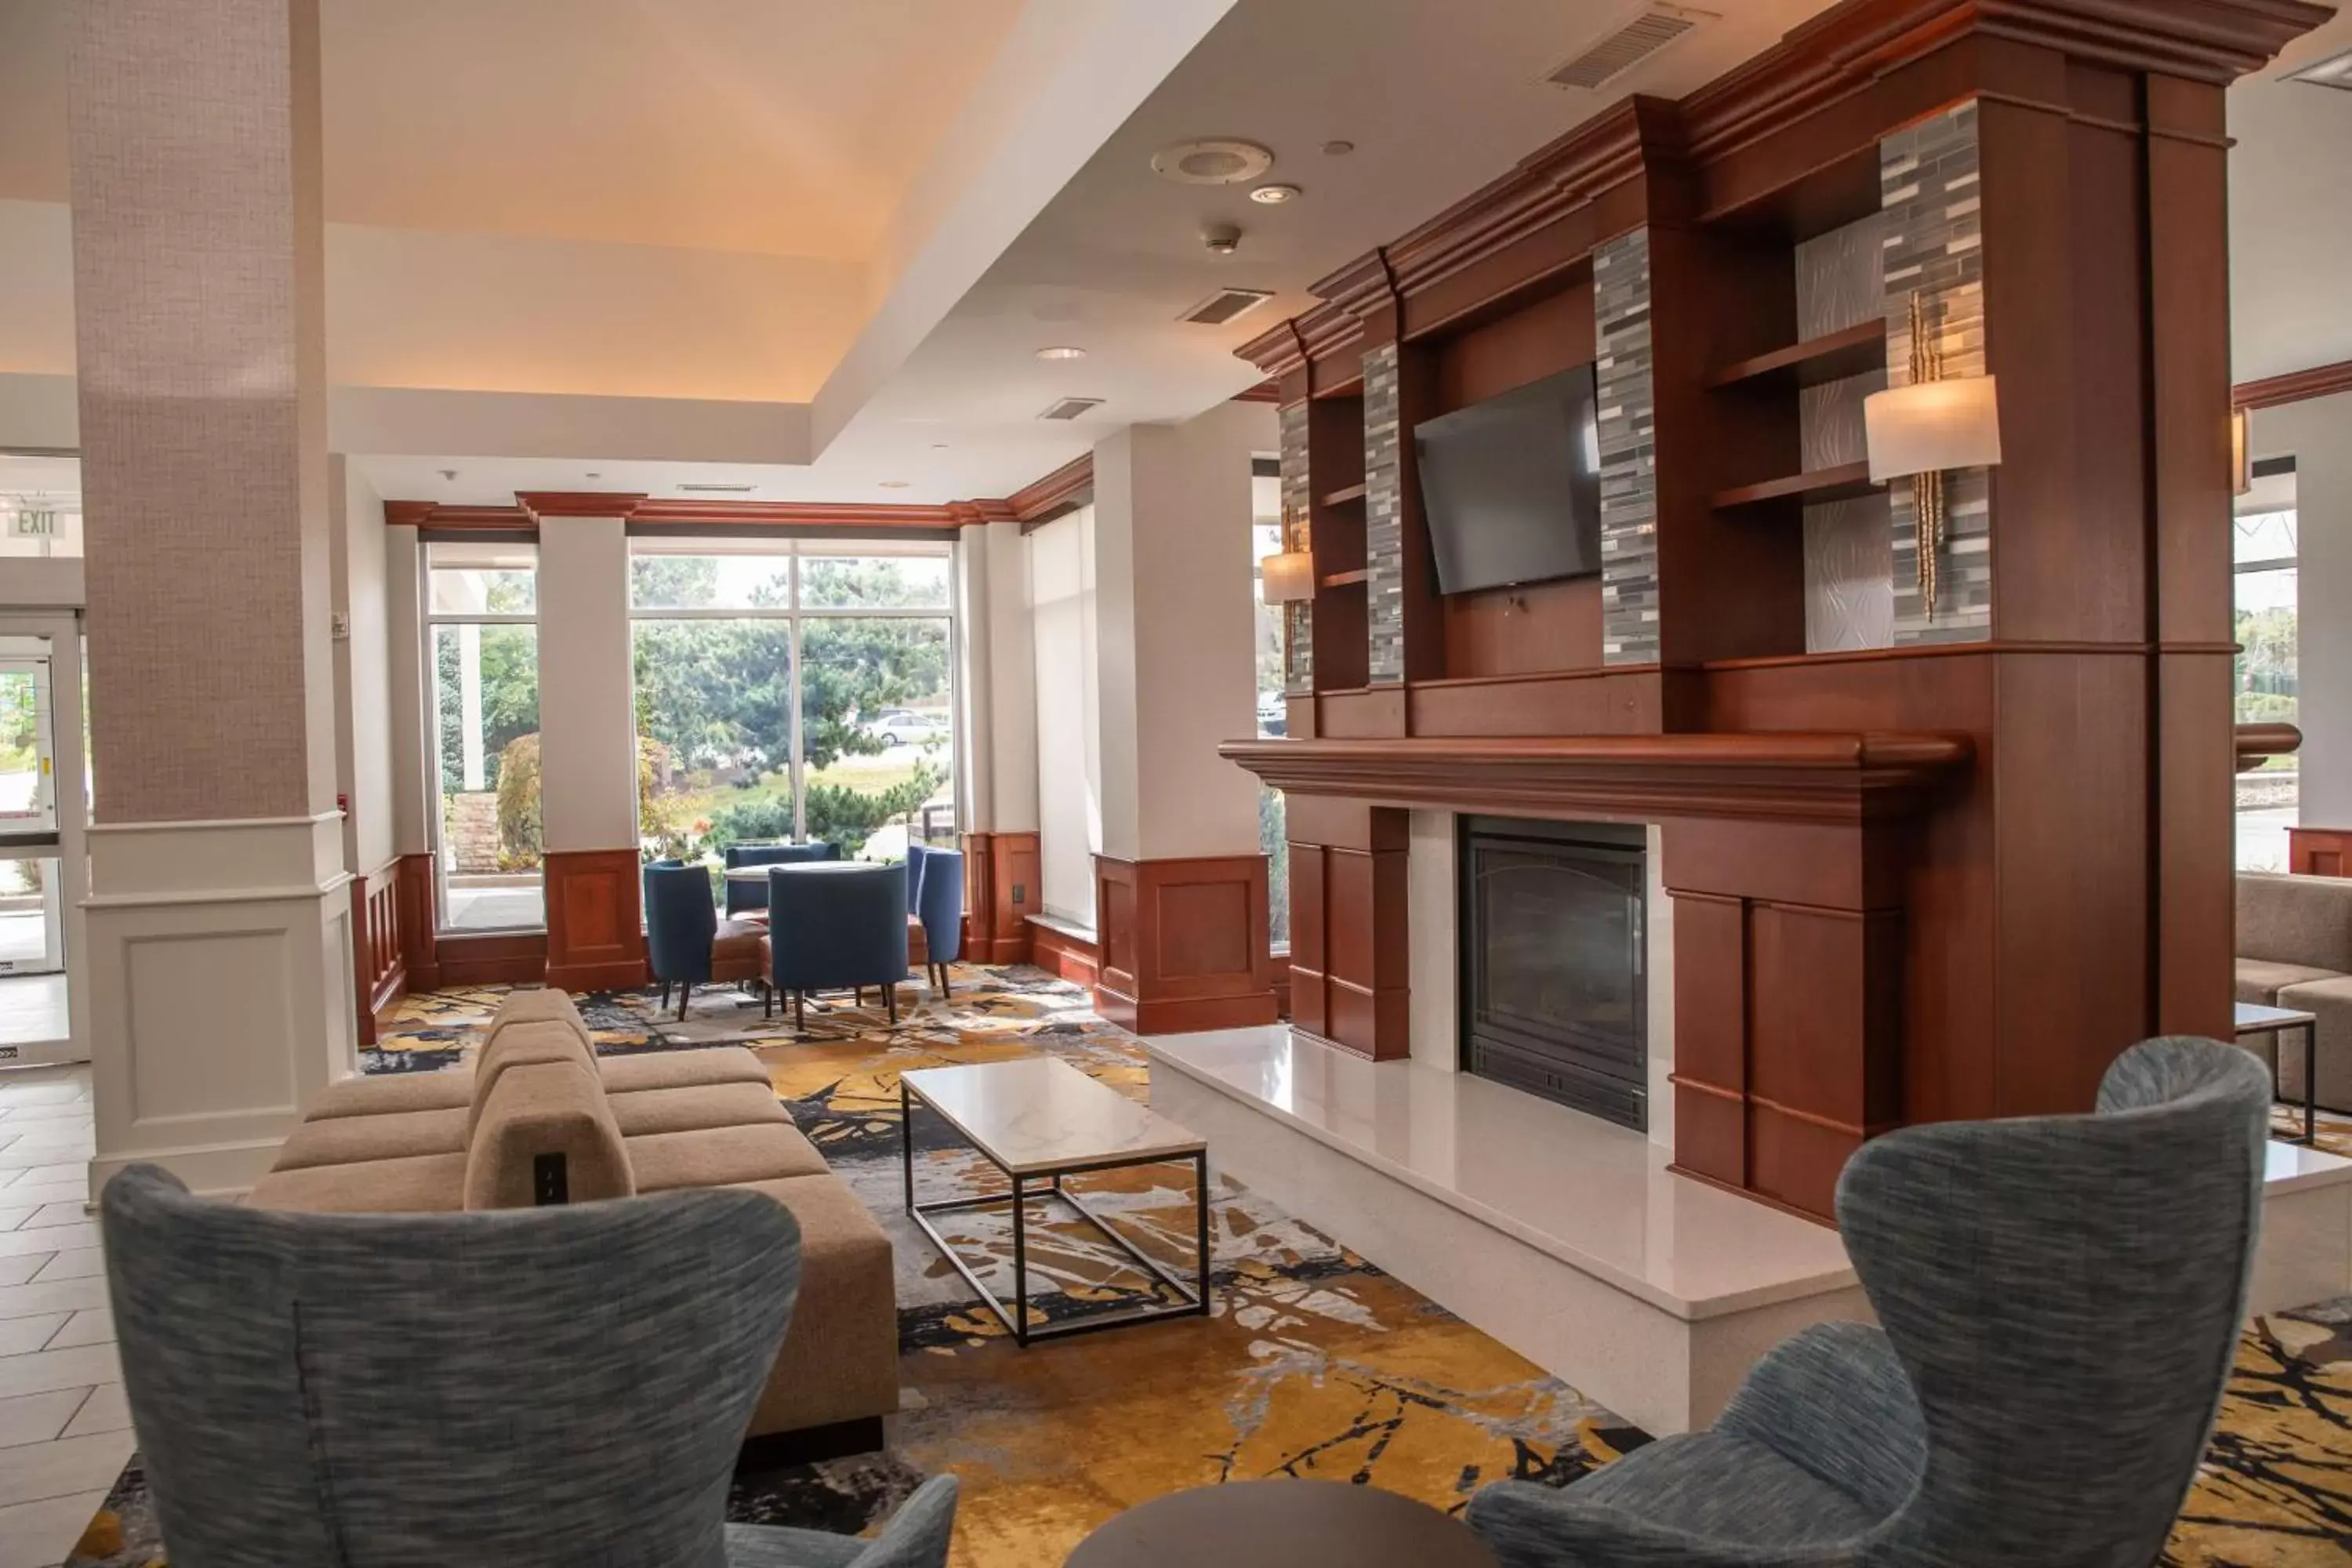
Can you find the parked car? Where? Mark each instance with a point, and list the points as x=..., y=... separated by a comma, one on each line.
x=903, y=727
x=1273, y=714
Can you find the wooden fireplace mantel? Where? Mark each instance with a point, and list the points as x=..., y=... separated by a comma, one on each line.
x=1789, y=778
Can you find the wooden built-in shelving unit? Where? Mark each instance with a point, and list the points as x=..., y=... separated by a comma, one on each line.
x=1854, y=352
x=1844, y=482
x=1354, y=492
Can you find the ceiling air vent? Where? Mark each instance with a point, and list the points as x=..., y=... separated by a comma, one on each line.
x=715, y=488
x=1226, y=304
x=2334, y=71
x=1628, y=47
x=1071, y=407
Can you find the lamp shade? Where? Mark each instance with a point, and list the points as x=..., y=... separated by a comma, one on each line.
x=1288, y=578
x=1930, y=427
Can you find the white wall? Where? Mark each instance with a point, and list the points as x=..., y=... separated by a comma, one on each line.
x=362, y=669
x=996, y=680
x=587, y=725
x=2318, y=434
x=1177, y=649
x=1062, y=605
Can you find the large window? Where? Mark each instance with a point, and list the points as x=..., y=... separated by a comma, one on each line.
x=1273, y=834
x=793, y=691
x=2265, y=548
x=483, y=611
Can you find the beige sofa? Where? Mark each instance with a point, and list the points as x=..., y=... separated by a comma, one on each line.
x=542, y=1119
x=2295, y=950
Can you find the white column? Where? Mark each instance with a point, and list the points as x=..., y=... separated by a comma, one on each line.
x=218, y=921
x=999, y=675
x=587, y=725
x=414, y=764
x=2318, y=434
x=1176, y=618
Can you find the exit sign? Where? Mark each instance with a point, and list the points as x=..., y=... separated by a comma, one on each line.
x=33, y=525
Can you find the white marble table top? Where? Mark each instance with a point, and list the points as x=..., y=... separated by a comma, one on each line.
x=2253, y=1018
x=1040, y=1115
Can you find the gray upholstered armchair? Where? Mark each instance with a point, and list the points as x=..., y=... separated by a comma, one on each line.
x=2060, y=1297
x=534, y=1388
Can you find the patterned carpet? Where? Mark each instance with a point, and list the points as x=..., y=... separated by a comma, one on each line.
x=1315, y=1363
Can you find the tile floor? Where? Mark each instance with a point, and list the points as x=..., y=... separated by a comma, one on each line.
x=65, y=1431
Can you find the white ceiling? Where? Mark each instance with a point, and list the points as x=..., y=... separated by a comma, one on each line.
x=858, y=137
x=2290, y=218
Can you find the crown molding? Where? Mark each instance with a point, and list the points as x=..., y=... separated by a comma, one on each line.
x=580, y=503
x=2297, y=386
x=1057, y=491
x=1838, y=54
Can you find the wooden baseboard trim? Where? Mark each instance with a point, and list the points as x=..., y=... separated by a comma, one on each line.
x=1187, y=1014
x=519, y=959
x=581, y=978
x=1068, y=957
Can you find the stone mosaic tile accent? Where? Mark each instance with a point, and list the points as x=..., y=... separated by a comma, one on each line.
x=1933, y=243
x=1629, y=451
x=1298, y=620
x=1384, y=515
x=1849, y=578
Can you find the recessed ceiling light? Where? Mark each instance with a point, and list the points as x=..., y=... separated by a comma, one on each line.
x=1274, y=195
x=1061, y=350
x=1213, y=161
x=896, y=484
x=1337, y=149
x=938, y=445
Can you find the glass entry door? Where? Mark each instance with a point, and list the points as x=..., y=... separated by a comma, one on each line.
x=32, y=896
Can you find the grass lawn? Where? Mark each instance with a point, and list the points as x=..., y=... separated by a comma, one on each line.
x=867, y=774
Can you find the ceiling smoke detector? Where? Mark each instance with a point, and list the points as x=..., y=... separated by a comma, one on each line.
x=1225, y=305
x=1629, y=45
x=1071, y=407
x=2334, y=71
x=1214, y=161
x=1221, y=239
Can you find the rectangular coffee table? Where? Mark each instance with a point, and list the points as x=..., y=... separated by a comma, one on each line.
x=1039, y=1120
x=2253, y=1018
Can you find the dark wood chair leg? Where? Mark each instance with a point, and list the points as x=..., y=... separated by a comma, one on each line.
x=767, y=1001
x=891, y=992
x=799, y=1022
x=685, y=994
x=664, y=1001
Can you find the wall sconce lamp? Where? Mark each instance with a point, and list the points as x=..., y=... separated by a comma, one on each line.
x=1288, y=578
x=2241, y=451
x=1925, y=431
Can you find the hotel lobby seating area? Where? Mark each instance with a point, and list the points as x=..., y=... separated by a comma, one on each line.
x=991, y=784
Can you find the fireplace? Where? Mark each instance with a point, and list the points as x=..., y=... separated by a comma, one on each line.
x=1552, y=968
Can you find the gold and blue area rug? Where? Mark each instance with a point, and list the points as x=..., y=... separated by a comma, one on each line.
x=1314, y=1363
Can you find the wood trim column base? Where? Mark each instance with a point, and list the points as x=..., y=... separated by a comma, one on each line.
x=595, y=926
x=419, y=950
x=1064, y=956
x=1184, y=944
x=1001, y=882
x=379, y=965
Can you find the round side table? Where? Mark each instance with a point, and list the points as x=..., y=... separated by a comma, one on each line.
x=1282, y=1524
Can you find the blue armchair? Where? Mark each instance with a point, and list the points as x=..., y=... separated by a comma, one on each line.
x=837, y=930
x=280, y=1426
x=915, y=854
x=2061, y=1297
x=939, y=904
x=741, y=896
x=687, y=944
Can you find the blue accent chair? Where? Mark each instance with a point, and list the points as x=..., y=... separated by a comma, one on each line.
x=281, y=1425
x=837, y=930
x=687, y=944
x=915, y=854
x=741, y=896
x=2061, y=1297
x=939, y=904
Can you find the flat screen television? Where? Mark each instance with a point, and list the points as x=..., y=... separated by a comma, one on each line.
x=1512, y=486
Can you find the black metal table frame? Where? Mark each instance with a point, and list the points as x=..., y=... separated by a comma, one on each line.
x=2310, y=1069
x=1193, y=1299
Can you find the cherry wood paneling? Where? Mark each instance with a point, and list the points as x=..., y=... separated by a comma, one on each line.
x=1059, y=954
x=2319, y=851
x=1000, y=892
x=1710, y=1074
x=1184, y=944
x=419, y=951
x=1620, y=702
x=515, y=958
x=1543, y=337
x=1541, y=627
x=1349, y=926
x=595, y=926
x=2296, y=387
x=1362, y=714
x=379, y=961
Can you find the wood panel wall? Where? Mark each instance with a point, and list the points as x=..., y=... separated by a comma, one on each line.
x=1349, y=927
x=1002, y=878
x=595, y=919
x=379, y=954
x=1183, y=943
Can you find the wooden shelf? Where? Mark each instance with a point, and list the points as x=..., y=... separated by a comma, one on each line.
x=1342, y=497
x=1842, y=483
x=1854, y=352
x=1344, y=579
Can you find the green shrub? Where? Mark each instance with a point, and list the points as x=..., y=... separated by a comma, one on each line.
x=522, y=830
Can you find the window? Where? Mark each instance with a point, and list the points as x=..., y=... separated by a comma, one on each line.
x=793, y=691
x=482, y=608
x=1273, y=834
x=2264, y=545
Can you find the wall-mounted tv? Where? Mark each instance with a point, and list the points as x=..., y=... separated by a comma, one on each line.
x=1512, y=486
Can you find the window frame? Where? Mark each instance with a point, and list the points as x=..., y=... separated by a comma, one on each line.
x=433, y=621
x=795, y=549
